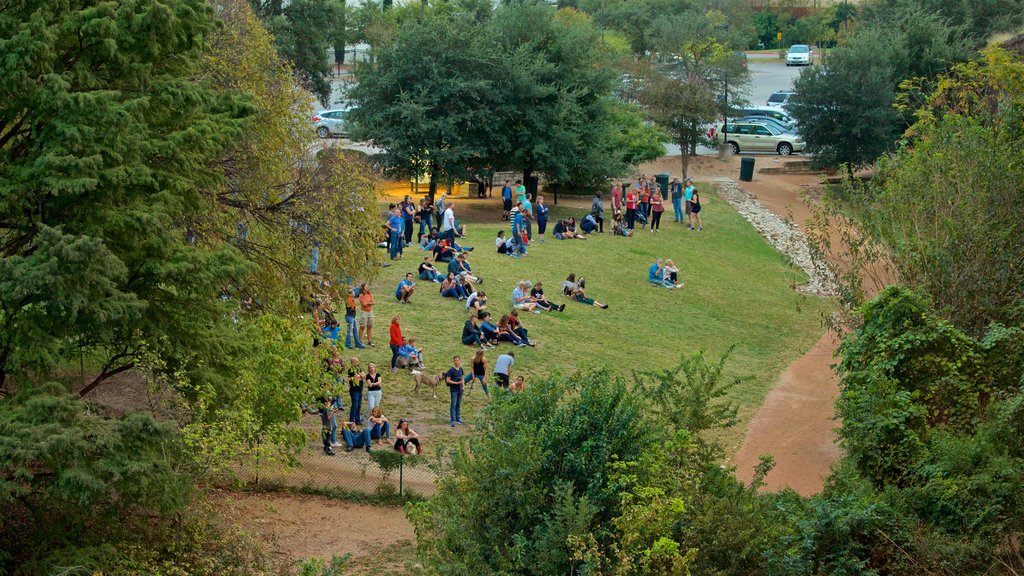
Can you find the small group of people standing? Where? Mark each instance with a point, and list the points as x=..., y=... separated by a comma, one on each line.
x=644, y=202
x=457, y=379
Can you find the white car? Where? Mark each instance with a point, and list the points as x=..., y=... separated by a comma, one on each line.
x=799, y=55
x=779, y=99
x=330, y=123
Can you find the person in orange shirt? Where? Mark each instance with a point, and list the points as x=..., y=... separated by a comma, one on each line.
x=366, y=314
x=395, y=342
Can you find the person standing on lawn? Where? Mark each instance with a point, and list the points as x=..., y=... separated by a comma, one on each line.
x=542, y=218
x=408, y=213
x=456, y=381
x=616, y=198
x=677, y=200
x=506, y=201
x=597, y=211
x=687, y=198
x=657, y=208
x=631, y=208
x=395, y=342
x=366, y=314
x=355, y=390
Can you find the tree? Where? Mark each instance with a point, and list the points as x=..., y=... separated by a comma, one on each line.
x=844, y=106
x=426, y=100
x=681, y=106
x=303, y=31
x=287, y=200
x=553, y=79
x=97, y=172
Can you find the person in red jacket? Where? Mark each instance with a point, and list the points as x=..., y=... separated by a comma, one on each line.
x=396, y=342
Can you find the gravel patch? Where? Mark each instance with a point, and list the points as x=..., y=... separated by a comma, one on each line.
x=783, y=234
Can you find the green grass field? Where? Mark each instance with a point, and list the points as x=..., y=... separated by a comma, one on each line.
x=738, y=292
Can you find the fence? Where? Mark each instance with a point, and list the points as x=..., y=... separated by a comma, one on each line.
x=382, y=472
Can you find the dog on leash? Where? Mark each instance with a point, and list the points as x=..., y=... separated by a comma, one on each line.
x=431, y=380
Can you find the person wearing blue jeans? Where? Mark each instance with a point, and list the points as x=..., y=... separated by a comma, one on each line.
x=394, y=234
x=355, y=391
x=379, y=428
x=351, y=328
x=428, y=272
x=328, y=425
x=455, y=378
x=356, y=438
x=677, y=200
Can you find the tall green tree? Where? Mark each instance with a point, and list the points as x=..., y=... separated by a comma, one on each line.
x=844, y=106
x=103, y=155
x=427, y=99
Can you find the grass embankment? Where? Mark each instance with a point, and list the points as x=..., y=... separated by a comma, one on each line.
x=738, y=292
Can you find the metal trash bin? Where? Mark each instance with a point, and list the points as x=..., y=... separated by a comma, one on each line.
x=747, y=169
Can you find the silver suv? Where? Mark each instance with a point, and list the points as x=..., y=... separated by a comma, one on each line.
x=755, y=137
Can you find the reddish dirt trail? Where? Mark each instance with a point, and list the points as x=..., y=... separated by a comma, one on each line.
x=796, y=423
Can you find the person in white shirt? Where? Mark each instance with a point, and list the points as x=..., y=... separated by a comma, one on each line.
x=448, y=222
x=503, y=368
x=521, y=299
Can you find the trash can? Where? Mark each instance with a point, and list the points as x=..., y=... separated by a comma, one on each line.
x=747, y=169
x=663, y=184
x=531, y=183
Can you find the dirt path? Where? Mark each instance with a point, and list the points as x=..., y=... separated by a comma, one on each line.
x=795, y=424
x=295, y=527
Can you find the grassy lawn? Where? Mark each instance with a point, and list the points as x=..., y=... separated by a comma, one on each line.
x=738, y=292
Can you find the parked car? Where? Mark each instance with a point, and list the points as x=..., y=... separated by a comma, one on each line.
x=779, y=99
x=331, y=123
x=799, y=55
x=745, y=136
x=782, y=126
x=775, y=113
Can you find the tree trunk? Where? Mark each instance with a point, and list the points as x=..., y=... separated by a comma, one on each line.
x=432, y=191
x=684, y=158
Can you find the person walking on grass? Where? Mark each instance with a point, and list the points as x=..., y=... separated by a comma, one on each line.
x=478, y=371
x=365, y=314
x=455, y=378
x=439, y=208
x=448, y=230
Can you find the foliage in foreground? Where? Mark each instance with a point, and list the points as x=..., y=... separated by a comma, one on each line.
x=589, y=475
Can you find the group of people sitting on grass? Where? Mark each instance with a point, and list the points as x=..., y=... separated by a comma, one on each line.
x=458, y=283
x=354, y=432
x=664, y=273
